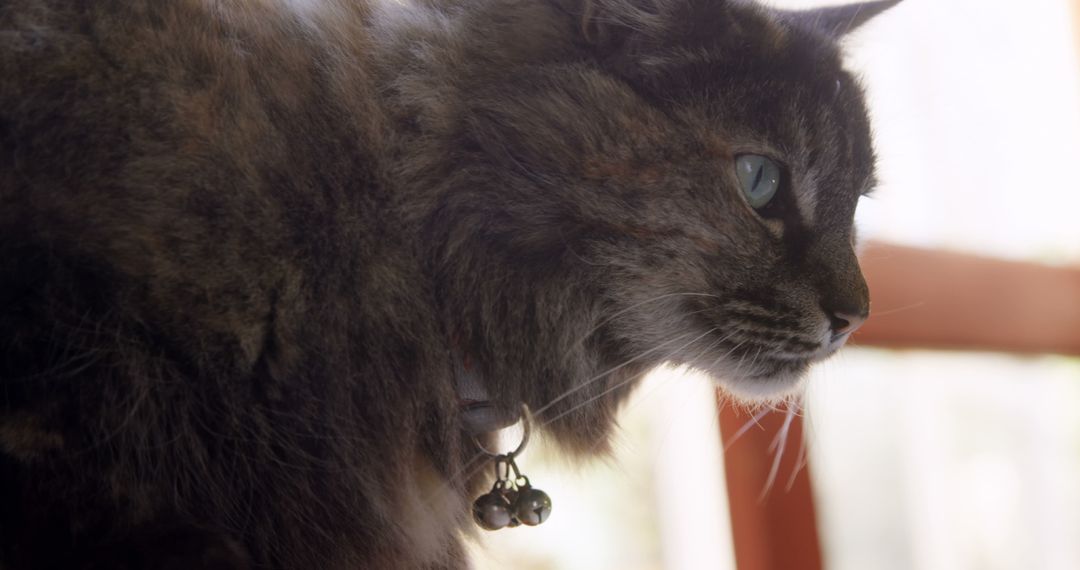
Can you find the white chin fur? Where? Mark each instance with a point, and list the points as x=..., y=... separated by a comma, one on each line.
x=762, y=390
x=755, y=389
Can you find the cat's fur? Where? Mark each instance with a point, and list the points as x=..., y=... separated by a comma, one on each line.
x=240, y=243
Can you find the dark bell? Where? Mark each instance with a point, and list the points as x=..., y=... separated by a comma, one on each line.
x=532, y=507
x=492, y=511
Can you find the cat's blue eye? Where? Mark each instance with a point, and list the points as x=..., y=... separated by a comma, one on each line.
x=759, y=178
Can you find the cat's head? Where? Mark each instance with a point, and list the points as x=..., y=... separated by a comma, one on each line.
x=698, y=164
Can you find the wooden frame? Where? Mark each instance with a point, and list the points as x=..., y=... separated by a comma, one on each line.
x=921, y=299
x=777, y=528
x=935, y=299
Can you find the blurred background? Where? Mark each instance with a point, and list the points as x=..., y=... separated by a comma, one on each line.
x=948, y=436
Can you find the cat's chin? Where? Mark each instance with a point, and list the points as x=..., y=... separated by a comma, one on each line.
x=758, y=389
x=776, y=383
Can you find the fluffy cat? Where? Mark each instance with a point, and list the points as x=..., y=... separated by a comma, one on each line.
x=242, y=242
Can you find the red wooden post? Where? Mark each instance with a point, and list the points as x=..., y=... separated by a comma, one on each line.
x=937, y=299
x=921, y=299
x=777, y=530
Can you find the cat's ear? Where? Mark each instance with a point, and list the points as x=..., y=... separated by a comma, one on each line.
x=837, y=21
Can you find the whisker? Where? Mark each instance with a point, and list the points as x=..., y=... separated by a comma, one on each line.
x=470, y=466
x=473, y=465
x=801, y=462
x=898, y=309
x=753, y=361
x=746, y=427
x=586, y=383
x=636, y=305
x=742, y=360
x=619, y=384
x=777, y=446
x=728, y=353
x=642, y=398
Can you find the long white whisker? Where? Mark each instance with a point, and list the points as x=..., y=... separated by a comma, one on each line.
x=728, y=353
x=746, y=427
x=620, y=384
x=878, y=314
x=738, y=367
x=471, y=466
x=777, y=447
x=753, y=361
x=800, y=463
x=586, y=383
x=636, y=305
x=707, y=349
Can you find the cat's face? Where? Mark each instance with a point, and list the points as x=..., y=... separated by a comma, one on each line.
x=630, y=161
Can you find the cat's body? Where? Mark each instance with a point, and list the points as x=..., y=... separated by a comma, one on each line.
x=241, y=243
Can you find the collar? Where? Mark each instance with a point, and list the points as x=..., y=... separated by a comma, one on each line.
x=479, y=415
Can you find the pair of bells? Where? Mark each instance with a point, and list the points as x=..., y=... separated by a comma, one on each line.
x=511, y=503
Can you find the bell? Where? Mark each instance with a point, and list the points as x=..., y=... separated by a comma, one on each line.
x=532, y=507
x=492, y=511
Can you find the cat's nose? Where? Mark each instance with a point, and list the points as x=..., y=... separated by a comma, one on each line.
x=844, y=299
x=847, y=307
x=843, y=323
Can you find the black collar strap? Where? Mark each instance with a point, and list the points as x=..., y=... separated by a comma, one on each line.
x=479, y=415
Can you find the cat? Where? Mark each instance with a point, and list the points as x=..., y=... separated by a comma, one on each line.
x=243, y=244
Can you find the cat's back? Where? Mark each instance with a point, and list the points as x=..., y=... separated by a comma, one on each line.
x=196, y=242
x=114, y=88
x=210, y=154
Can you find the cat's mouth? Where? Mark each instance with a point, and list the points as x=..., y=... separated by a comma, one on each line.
x=767, y=379
x=761, y=372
